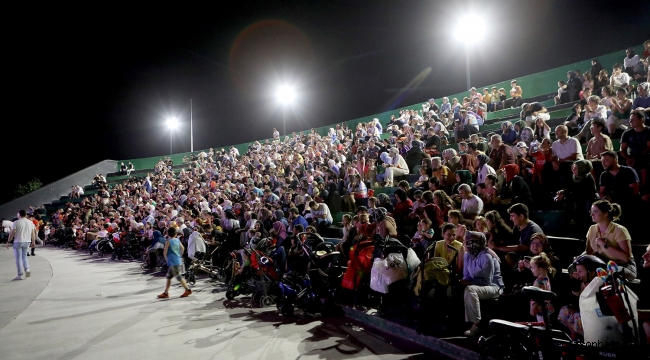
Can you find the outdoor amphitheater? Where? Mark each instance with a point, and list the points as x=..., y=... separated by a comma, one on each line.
x=506, y=221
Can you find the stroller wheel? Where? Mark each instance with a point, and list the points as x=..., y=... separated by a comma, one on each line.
x=266, y=301
x=287, y=310
x=230, y=294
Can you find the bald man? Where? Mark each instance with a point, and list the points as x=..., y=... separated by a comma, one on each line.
x=566, y=150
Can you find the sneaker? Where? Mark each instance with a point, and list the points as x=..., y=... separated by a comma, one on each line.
x=19, y=277
x=473, y=331
x=187, y=293
x=163, y=296
x=28, y=273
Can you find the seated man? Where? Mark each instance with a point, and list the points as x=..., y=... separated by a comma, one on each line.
x=635, y=146
x=618, y=183
x=482, y=275
x=472, y=205
x=523, y=230
x=321, y=215
x=565, y=151
x=643, y=99
x=395, y=166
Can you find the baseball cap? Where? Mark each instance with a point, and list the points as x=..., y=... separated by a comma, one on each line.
x=522, y=145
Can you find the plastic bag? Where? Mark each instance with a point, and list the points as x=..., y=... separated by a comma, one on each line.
x=387, y=271
x=412, y=261
x=599, y=327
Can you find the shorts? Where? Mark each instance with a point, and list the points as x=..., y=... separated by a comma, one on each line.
x=176, y=271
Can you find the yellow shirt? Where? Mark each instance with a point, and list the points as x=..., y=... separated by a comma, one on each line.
x=441, y=250
x=614, y=234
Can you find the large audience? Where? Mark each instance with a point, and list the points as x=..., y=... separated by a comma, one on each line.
x=429, y=174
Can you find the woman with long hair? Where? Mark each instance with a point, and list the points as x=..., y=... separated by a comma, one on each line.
x=608, y=240
x=499, y=232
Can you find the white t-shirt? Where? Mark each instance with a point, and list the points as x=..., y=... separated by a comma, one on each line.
x=618, y=80
x=570, y=147
x=23, y=229
x=322, y=210
x=600, y=112
x=474, y=205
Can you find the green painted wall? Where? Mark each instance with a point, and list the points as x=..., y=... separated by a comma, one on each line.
x=533, y=85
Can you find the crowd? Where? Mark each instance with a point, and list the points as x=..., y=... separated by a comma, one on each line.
x=476, y=196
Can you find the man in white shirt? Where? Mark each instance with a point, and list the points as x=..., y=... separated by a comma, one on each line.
x=395, y=167
x=23, y=234
x=321, y=215
x=472, y=205
x=566, y=150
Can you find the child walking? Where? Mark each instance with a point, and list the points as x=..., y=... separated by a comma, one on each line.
x=173, y=253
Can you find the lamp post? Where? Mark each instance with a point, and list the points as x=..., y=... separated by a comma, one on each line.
x=285, y=95
x=191, y=129
x=469, y=31
x=172, y=123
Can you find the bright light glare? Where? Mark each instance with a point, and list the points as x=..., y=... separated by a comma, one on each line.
x=470, y=29
x=286, y=94
x=172, y=123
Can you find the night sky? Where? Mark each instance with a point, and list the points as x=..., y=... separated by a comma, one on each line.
x=88, y=84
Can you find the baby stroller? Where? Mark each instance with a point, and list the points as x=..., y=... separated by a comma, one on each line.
x=105, y=246
x=434, y=285
x=389, y=276
x=67, y=238
x=240, y=281
x=320, y=279
x=209, y=263
x=265, y=276
x=132, y=247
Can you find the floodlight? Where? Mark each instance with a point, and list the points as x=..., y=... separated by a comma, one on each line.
x=172, y=123
x=286, y=94
x=470, y=29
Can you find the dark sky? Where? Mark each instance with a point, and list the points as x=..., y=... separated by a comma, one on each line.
x=88, y=84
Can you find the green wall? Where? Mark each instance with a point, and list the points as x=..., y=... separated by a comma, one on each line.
x=532, y=85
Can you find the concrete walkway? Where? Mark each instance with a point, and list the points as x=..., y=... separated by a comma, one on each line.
x=80, y=307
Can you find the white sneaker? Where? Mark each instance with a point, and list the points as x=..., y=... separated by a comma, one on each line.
x=19, y=277
x=473, y=331
x=28, y=273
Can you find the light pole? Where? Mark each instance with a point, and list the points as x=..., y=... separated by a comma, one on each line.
x=469, y=31
x=285, y=95
x=191, y=129
x=171, y=124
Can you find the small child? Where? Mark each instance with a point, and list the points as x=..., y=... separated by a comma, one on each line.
x=423, y=179
x=490, y=192
x=418, y=203
x=541, y=268
x=421, y=239
x=540, y=157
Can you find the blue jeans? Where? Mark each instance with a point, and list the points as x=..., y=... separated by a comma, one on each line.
x=20, y=252
x=322, y=225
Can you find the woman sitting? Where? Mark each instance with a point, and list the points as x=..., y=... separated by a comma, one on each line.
x=482, y=275
x=609, y=240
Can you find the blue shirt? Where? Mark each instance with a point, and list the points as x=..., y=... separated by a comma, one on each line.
x=174, y=252
x=300, y=221
x=484, y=270
x=643, y=102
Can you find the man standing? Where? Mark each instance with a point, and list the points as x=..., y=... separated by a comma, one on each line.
x=501, y=153
x=23, y=234
x=173, y=253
